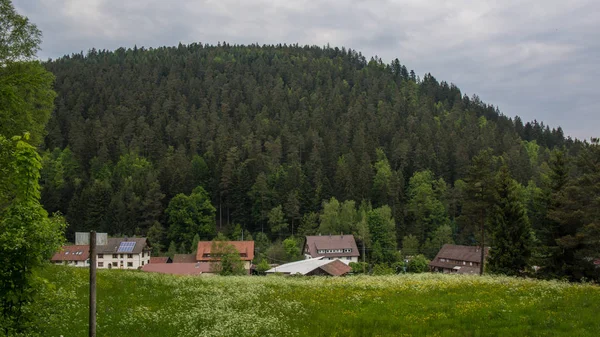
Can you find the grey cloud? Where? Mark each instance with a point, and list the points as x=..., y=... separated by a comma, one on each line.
x=536, y=59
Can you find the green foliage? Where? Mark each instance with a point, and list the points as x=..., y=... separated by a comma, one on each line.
x=410, y=245
x=191, y=215
x=20, y=38
x=229, y=260
x=156, y=235
x=277, y=221
x=337, y=218
x=382, y=269
x=28, y=237
x=172, y=249
x=425, y=205
x=261, y=245
x=291, y=246
x=262, y=267
x=418, y=264
x=511, y=231
x=359, y=267
x=26, y=98
x=382, y=228
x=441, y=236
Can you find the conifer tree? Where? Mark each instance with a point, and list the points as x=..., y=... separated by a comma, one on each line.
x=510, y=228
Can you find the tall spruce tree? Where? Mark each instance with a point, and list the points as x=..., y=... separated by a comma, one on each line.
x=480, y=186
x=510, y=228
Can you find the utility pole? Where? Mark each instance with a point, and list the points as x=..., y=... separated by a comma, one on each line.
x=93, y=263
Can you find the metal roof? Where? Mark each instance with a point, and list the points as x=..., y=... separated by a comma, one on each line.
x=304, y=267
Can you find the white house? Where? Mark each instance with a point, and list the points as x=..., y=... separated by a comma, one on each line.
x=331, y=247
x=123, y=253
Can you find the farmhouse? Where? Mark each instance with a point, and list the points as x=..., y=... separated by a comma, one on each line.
x=73, y=255
x=312, y=267
x=457, y=259
x=331, y=247
x=244, y=248
x=123, y=253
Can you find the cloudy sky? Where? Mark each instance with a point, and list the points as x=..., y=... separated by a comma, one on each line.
x=539, y=59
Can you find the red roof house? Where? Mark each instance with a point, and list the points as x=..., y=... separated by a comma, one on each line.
x=178, y=268
x=245, y=248
x=76, y=255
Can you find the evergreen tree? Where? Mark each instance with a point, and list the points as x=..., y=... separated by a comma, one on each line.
x=511, y=232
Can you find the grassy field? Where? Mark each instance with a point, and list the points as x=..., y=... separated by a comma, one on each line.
x=132, y=303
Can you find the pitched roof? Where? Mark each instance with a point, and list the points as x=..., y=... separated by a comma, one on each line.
x=331, y=242
x=72, y=253
x=336, y=268
x=460, y=253
x=304, y=267
x=184, y=258
x=113, y=244
x=245, y=248
x=178, y=268
x=160, y=259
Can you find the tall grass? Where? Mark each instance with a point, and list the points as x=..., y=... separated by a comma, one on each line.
x=140, y=304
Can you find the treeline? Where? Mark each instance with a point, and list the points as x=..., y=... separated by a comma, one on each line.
x=279, y=138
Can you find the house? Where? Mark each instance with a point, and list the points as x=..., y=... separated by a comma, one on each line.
x=73, y=255
x=457, y=259
x=312, y=267
x=160, y=259
x=244, y=248
x=331, y=247
x=123, y=253
x=196, y=269
x=184, y=258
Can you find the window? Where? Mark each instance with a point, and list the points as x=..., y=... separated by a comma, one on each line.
x=100, y=264
x=114, y=264
x=129, y=264
x=115, y=256
x=348, y=258
x=464, y=263
x=142, y=254
x=121, y=255
x=75, y=262
x=100, y=256
x=130, y=256
x=470, y=263
x=142, y=263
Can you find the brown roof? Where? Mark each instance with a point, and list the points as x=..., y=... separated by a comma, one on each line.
x=325, y=242
x=184, y=258
x=72, y=253
x=160, y=259
x=460, y=253
x=336, y=268
x=246, y=249
x=178, y=268
x=113, y=244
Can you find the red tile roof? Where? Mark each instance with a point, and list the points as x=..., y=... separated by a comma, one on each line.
x=184, y=258
x=246, y=249
x=336, y=268
x=159, y=259
x=331, y=242
x=178, y=268
x=72, y=253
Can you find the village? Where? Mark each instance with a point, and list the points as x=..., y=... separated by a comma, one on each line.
x=324, y=255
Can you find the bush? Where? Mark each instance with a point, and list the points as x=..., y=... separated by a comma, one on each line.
x=418, y=264
x=382, y=269
x=359, y=267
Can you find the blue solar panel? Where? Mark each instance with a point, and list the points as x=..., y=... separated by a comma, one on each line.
x=126, y=247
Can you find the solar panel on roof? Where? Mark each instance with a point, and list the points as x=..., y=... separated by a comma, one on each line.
x=126, y=247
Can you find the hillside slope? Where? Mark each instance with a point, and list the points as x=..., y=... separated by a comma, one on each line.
x=259, y=127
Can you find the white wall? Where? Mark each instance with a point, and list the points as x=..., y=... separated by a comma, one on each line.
x=122, y=261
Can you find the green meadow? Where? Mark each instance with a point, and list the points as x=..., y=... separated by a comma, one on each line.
x=132, y=303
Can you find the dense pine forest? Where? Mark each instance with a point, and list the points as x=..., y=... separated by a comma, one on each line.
x=182, y=143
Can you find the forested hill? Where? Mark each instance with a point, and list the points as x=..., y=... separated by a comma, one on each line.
x=270, y=132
